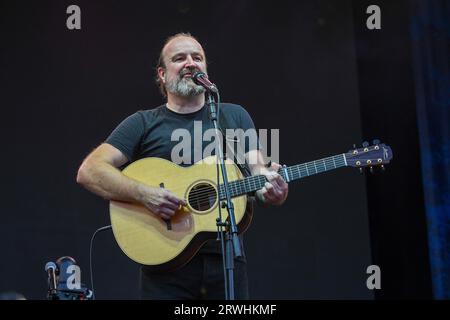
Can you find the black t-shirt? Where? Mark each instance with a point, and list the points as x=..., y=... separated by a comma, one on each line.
x=148, y=133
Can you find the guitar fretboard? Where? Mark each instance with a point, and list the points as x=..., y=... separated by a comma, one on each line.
x=253, y=183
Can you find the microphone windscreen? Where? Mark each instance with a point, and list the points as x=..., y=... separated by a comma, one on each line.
x=50, y=265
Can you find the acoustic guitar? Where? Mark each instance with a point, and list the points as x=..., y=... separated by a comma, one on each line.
x=168, y=244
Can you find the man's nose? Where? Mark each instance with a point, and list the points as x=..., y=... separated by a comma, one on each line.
x=190, y=62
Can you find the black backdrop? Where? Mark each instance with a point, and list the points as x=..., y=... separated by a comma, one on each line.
x=63, y=91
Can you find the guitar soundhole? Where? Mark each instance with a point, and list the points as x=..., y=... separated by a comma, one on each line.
x=202, y=197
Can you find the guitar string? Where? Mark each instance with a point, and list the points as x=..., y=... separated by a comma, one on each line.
x=240, y=188
x=296, y=171
x=208, y=197
x=292, y=170
x=295, y=167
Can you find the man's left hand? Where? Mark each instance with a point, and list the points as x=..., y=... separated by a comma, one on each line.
x=275, y=190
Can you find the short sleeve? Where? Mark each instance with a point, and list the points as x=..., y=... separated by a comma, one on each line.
x=250, y=139
x=127, y=136
x=245, y=119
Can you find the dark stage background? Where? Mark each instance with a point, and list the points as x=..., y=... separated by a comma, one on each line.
x=310, y=75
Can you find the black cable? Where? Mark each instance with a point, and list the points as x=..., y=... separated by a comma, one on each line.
x=90, y=256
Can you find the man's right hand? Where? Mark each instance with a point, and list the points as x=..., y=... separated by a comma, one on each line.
x=160, y=201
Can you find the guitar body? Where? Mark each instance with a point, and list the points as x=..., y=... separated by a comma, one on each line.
x=166, y=245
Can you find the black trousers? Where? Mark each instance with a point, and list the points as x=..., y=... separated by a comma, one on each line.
x=201, y=278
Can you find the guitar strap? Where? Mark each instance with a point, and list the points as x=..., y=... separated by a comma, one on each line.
x=233, y=144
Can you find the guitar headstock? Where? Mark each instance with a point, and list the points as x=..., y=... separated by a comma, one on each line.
x=377, y=154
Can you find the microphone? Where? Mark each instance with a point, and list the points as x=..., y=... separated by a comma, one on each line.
x=50, y=268
x=201, y=79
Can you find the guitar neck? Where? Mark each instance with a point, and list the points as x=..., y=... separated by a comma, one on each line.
x=295, y=172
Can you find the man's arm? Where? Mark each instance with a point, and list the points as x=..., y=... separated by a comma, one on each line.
x=99, y=174
x=275, y=191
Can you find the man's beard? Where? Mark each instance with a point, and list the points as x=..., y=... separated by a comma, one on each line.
x=182, y=86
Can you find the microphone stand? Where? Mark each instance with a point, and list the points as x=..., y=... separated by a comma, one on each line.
x=233, y=246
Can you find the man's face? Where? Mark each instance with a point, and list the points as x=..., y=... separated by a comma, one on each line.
x=182, y=56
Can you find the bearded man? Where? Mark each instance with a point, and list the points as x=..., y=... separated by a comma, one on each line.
x=148, y=133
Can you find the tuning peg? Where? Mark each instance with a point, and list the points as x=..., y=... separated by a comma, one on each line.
x=365, y=144
x=383, y=168
x=371, y=170
x=354, y=146
x=376, y=142
x=361, y=170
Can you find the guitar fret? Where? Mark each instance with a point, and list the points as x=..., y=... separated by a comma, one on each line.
x=292, y=173
x=310, y=169
x=321, y=166
x=305, y=169
x=331, y=162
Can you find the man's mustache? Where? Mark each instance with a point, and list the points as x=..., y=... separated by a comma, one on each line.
x=188, y=71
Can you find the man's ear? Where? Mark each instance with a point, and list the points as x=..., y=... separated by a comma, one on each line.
x=161, y=74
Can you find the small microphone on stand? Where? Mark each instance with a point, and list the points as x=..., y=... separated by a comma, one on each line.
x=50, y=268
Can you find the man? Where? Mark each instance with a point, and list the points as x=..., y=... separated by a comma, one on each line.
x=148, y=133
